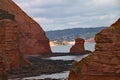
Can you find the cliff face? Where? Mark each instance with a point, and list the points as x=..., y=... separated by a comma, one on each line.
x=78, y=47
x=3, y=71
x=10, y=56
x=9, y=42
x=32, y=38
x=104, y=62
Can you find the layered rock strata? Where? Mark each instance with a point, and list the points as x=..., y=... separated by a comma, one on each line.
x=3, y=69
x=10, y=56
x=32, y=37
x=9, y=46
x=9, y=42
x=104, y=62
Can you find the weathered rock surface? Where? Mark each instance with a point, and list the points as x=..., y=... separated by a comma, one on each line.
x=9, y=42
x=9, y=46
x=10, y=58
x=104, y=62
x=3, y=71
x=32, y=38
x=78, y=47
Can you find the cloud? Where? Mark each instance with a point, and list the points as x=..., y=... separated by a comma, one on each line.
x=73, y=23
x=110, y=16
x=44, y=20
x=63, y=14
x=102, y=3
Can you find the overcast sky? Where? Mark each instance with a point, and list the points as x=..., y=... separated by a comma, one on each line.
x=64, y=14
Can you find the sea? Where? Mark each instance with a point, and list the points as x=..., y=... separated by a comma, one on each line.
x=66, y=48
x=62, y=49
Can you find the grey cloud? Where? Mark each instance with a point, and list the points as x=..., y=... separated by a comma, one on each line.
x=62, y=14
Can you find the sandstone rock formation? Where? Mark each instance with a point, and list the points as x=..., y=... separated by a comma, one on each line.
x=9, y=46
x=9, y=42
x=32, y=38
x=104, y=62
x=10, y=56
x=3, y=71
x=78, y=47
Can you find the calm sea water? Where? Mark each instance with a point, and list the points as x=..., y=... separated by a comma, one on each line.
x=62, y=48
x=66, y=48
x=61, y=76
x=67, y=58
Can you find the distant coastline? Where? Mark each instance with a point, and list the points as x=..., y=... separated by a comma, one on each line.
x=56, y=43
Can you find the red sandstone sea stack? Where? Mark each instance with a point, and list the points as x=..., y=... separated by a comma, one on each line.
x=78, y=47
x=32, y=37
x=104, y=62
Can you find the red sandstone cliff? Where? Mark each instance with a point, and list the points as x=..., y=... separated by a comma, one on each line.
x=104, y=62
x=32, y=38
x=9, y=42
x=3, y=71
x=10, y=57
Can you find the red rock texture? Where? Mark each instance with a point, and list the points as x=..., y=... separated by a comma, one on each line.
x=78, y=47
x=9, y=46
x=10, y=56
x=3, y=71
x=32, y=37
x=104, y=62
x=9, y=42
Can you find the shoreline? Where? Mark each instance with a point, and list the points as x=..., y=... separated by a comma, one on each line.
x=42, y=66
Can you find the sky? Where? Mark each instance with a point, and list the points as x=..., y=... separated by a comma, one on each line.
x=65, y=14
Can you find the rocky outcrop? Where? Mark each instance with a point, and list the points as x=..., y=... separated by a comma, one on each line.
x=10, y=56
x=9, y=46
x=9, y=42
x=3, y=71
x=78, y=47
x=104, y=62
x=32, y=38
